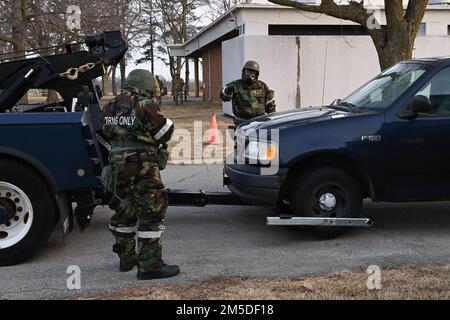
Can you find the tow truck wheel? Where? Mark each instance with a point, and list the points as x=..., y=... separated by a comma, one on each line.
x=327, y=192
x=28, y=213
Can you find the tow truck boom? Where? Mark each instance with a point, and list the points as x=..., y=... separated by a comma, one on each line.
x=61, y=72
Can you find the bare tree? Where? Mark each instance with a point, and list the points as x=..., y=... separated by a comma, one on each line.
x=219, y=7
x=394, y=41
x=14, y=29
x=171, y=23
x=26, y=24
x=14, y=25
x=130, y=22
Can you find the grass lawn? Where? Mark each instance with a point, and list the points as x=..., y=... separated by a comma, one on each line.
x=422, y=283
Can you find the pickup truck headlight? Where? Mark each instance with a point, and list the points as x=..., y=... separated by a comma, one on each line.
x=262, y=151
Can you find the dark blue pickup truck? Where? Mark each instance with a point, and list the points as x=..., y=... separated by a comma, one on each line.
x=387, y=141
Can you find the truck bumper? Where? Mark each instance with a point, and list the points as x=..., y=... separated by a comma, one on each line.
x=246, y=182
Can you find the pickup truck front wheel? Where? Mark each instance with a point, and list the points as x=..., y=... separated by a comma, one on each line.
x=327, y=192
x=28, y=213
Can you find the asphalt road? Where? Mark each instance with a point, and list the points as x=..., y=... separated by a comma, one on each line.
x=234, y=241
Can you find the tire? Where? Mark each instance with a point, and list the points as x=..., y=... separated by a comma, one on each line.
x=319, y=182
x=27, y=205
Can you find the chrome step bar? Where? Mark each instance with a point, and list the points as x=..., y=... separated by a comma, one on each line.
x=311, y=221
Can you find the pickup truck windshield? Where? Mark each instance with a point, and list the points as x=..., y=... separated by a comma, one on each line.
x=385, y=89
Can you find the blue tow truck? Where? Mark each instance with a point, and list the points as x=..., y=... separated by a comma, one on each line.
x=51, y=155
x=387, y=141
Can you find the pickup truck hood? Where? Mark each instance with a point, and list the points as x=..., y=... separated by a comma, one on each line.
x=295, y=117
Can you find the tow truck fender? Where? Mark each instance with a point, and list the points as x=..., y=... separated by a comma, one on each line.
x=62, y=200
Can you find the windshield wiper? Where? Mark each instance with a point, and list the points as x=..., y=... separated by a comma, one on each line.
x=391, y=75
x=343, y=106
x=347, y=104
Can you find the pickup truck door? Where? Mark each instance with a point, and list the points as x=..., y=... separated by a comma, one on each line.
x=419, y=150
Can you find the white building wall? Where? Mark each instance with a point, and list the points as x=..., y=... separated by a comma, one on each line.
x=436, y=28
x=233, y=58
x=277, y=57
x=427, y=47
x=333, y=67
x=326, y=68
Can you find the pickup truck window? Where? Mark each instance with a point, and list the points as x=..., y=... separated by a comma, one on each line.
x=385, y=89
x=438, y=91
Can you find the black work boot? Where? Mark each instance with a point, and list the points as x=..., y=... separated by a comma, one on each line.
x=165, y=271
x=128, y=265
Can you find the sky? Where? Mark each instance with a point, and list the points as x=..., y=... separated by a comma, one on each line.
x=160, y=67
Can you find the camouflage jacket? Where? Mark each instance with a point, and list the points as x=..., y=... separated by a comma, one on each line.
x=157, y=89
x=132, y=117
x=249, y=101
x=178, y=84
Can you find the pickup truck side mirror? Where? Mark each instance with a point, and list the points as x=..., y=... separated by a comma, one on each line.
x=419, y=104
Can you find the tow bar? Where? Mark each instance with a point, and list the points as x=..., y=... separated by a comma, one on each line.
x=311, y=221
x=183, y=198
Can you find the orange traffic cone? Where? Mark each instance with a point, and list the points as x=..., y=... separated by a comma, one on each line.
x=213, y=132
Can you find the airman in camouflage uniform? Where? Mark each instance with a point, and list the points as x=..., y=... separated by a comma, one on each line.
x=250, y=97
x=178, y=86
x=138, y=133
x=157, y=90
x=159, y=95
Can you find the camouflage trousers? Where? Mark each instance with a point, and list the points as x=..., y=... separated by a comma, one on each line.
x=178, y=96
x=136, y=181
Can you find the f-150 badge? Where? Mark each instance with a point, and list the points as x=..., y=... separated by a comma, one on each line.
x=371, y=138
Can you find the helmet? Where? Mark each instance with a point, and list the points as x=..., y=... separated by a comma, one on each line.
x=250, y=72
x=142, y=79
x=251, y=65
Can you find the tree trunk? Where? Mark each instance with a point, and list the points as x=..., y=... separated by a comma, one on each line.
x=389, y=56
x=105, y=85
x=176, y=69
x=114, y=83
x=19, y=35
x=172, y=67
x=123, y=72
x=395, y=45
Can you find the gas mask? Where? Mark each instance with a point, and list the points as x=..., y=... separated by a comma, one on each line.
x=249, y=76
